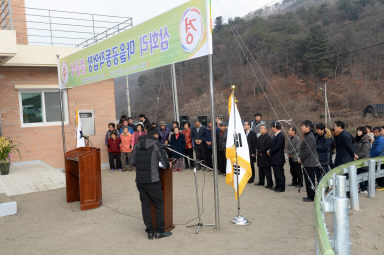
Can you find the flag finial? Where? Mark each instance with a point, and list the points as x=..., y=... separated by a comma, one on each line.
x=233, y=87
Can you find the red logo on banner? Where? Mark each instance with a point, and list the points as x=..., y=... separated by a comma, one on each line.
x=191, y=29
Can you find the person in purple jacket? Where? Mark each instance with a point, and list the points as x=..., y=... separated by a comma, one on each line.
x=163, y=132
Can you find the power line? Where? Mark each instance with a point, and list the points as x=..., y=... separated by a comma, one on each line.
x=237, y=37
x=331, y=57
x=292, y=68
x=317, y=61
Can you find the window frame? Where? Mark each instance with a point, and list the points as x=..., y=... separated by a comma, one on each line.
x=44, y=123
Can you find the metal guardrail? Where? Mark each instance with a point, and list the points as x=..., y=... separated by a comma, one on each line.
x=55, y=27
x=335, y=201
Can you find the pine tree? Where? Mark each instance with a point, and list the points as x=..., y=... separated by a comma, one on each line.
x=218, y=24
x=141, y=80
x=316, y=48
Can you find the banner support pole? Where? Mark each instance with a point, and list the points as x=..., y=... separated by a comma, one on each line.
x=128, y=98
x=214, y=146
x=61, y=102
x=174, y=93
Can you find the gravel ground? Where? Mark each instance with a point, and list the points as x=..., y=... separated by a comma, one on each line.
x=280, y=222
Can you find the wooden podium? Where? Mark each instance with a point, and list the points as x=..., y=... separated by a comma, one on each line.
x=83, y=177
x=167, y=188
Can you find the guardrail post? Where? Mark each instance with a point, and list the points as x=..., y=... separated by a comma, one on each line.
x=353, y=190
x=317, y=246
x=371, y=178
x=342, y=242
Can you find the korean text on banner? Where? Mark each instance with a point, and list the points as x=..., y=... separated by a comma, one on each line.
x=180, y=34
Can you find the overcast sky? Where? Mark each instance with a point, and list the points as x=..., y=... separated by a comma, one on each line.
x=142, y=10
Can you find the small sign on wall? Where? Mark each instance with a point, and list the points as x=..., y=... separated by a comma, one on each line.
x=87, y=122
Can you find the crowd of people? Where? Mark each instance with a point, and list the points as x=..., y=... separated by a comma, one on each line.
x=310, y=155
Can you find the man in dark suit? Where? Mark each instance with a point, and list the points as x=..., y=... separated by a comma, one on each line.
x=345, y=150
x=198, y=135
x=308, y=158
x=263, y=144
x=251, y=139
x=221, y=148
x=144, y=120
x=277, y=156
x=146, y=156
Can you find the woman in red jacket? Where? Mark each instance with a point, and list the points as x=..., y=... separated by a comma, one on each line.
x=139, y=132
x=188, y=145
x=114, y=152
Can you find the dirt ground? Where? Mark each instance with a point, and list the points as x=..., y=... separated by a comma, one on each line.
x=280, y=222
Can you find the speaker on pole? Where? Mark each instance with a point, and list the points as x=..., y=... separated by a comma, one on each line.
x=203, y=119
x=183, y=119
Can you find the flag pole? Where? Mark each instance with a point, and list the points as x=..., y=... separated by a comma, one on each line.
x=212, y=97
x=238, y=220
x=237, y=165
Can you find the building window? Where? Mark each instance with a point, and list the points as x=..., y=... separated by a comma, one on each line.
x=42, y=107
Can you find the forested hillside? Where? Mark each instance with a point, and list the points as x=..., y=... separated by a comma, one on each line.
x=282, y=57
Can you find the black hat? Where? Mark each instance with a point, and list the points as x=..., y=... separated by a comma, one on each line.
x=276, y=124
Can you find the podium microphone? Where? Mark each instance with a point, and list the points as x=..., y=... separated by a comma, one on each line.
x=199, y=223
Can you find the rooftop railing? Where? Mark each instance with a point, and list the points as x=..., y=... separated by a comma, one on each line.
x=55, y=27
x=5, y=15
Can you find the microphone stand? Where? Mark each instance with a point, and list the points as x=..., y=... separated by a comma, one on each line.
x=168, y=147
x=199, y=223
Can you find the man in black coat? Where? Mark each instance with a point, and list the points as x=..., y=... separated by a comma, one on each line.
x=277, y=156
x=198, y=135
x=221, y=148
x=263, y=144
x=323, y=148
x=144, y=120
x=251, y=139
x=147, y=154
x=345, y=150
x=308, y=158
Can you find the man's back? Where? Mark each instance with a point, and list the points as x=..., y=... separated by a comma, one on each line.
x=344, y=148
x=323, y=147
x=146, y=155
x=277, y=149
x=308, y=153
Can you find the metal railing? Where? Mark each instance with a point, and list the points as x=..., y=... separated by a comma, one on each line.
x=107, y=33
x=331, y=198
x=5, y=15
x=55, y=27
